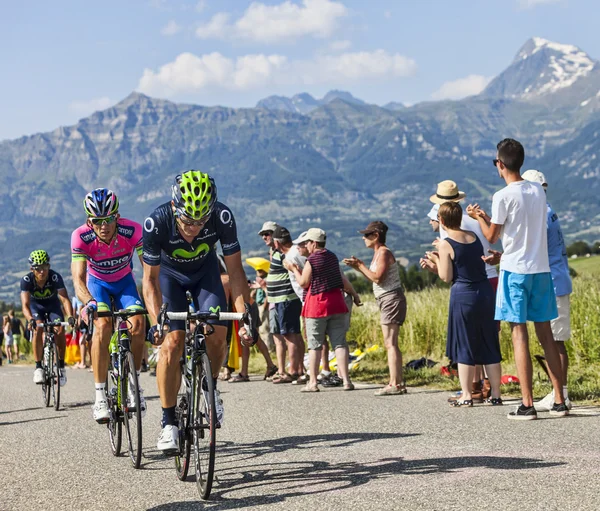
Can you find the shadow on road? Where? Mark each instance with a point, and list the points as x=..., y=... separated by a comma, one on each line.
x=22, y=410
x=270, y=483
x=32, y=420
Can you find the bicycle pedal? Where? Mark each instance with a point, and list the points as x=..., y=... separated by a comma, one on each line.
x=170, y=453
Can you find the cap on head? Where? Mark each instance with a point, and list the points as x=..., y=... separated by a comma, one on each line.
x=447, y=191
x=535, y=176
x=433, y=212
x=280, y=233
x=267, y=227
x=377, y=226
x=313, y=234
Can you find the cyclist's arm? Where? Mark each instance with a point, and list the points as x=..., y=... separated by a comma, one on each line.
x=152, y=293
x=240, y=292
x=67, y=306
x=79, y=272
x=25, y=305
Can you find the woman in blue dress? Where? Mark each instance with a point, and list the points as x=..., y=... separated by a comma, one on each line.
x=472, y=332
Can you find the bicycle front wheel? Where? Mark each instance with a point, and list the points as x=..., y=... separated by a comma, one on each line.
x=204, y=425
x=56, y=378
x=47, y=363
x=182, y=459
x=130, y=395
x=115, y=424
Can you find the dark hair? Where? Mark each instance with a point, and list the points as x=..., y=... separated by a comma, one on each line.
x=320, y=244
x=451, y=213
x=511, y=153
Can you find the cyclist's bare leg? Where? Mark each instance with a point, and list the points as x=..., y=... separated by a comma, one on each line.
x=138, y=338
x=61, y=343
x=101, y=340
x=168, y=370
x=216, y=348
x=38, y=347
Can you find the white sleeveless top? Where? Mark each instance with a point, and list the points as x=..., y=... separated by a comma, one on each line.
x=390, y=280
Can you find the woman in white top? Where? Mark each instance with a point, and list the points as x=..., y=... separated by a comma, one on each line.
x=387, y=288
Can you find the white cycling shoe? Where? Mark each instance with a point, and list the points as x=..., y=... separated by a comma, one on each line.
x=38, y=376
x=101, y=412
x=131, y=401
x=62, y=379
x=168, y=440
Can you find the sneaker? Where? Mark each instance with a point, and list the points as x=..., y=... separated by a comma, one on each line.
x=101, y=412
x=38, y=376
x=494, y=401
x=559, y=410
x=546, y=404
x=219, y=408
x=62, y=379
x=523, y=413
x=333, y=381
x=168, y=440
x=131, y=400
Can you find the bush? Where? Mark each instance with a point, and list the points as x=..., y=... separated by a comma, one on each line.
x=578, y=248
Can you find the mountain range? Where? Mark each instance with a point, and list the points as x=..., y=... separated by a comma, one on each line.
x=336, y=163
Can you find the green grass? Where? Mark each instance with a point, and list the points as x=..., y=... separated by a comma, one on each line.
x=586, y=265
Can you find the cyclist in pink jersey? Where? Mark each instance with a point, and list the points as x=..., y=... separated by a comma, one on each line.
x=102, y=258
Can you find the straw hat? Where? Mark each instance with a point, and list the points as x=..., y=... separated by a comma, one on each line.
x=447, y=191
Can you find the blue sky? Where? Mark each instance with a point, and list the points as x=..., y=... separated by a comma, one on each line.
x=63, y=60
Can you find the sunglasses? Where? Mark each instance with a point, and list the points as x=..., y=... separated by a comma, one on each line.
x=496, y=160
x=41, y=267
x=103, y=221
x=188, y=221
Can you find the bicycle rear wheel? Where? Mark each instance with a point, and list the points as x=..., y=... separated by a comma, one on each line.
x=56, y=378
x=132, y=409
x=115, y=424
x=204, y=425
x=182, y=459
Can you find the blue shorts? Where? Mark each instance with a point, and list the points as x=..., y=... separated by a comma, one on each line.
x=288, y=317
x=525, y=297
x=123, y=292
x=50, y=311
x=205, y=286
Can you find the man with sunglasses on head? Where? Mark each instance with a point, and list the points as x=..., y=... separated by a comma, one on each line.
x=44, y=297
x=102, y=259
x=179, y=256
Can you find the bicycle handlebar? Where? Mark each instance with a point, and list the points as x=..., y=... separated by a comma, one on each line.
x=123, y=313
x=53, y=323
x=205, y=316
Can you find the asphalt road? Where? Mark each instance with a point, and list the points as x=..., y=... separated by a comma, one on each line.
x=280, y=449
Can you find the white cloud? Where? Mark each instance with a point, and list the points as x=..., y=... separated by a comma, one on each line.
x=463, y=87
x=90, y=106
x=530, y=4
x=340, y=45
x=269, y=23
x=170, y=28
x=190, y=73
x=200, y=6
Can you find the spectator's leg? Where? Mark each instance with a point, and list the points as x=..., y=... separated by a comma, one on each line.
x=465, y=375
x=564, y=360
x=390, y=339
x=314, y=357
x=520, y=340
x=325, y=358
x=494, y=374
x=264, y=351
x=280, y=350
x=546, y=339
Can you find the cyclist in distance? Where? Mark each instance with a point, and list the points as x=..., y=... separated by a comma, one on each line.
x=43, y=295
x=179, y=256
x=101, y=263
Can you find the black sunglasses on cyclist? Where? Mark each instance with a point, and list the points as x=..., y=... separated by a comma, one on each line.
x=186, y=220
x=104, y=220
x=41, y=267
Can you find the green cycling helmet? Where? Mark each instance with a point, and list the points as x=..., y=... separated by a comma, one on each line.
x=38, y=257
x=194, y=194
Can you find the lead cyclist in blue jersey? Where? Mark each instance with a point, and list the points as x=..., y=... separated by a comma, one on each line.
x=179, y=255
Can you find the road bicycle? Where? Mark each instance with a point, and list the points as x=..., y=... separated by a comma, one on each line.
x=122, y=387
x=50, y=358
x=195, y=411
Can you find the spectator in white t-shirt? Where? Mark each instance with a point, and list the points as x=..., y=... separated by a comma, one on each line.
x=525, y=288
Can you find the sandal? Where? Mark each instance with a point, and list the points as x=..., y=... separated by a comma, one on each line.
x=302, y=379
x=239, y=378
x=391, y=390
x=282, y=378
x=309, y=388
x=271, y=371
x=494, y=401
x=349, y=386
x=465, y=402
